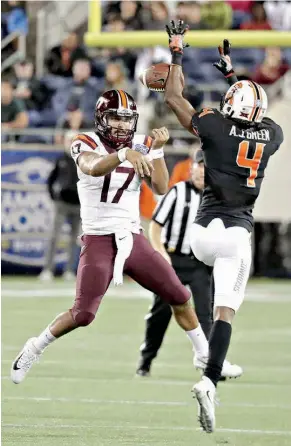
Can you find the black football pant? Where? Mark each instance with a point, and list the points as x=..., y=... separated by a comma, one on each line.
x=199, y=278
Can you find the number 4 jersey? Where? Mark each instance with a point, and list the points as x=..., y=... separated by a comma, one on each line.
x=235, y=161
x=109, y=203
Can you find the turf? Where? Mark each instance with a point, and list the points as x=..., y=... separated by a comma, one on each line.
x=84, y=393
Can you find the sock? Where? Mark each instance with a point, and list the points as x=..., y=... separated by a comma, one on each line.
x=44, y=339
x=199, y=341
x=218, y=345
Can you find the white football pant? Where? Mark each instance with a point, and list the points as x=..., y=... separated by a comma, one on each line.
x=229, y=251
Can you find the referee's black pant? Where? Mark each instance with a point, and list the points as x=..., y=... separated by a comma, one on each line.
x=199, y=278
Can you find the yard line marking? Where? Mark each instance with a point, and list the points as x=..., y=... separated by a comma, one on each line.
x=139, y=293
x=139, y=402
x=163, y=365
x=160, y=365
x=157, y=382
x=132, y=292
x=127, y=426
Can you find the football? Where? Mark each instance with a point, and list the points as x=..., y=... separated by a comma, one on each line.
x=155, y=77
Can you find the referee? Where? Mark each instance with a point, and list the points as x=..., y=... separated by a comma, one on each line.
x=169, y=234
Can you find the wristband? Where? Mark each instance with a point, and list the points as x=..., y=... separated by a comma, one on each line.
x=231, y=78
x=158, y=153
x=122, y=154
x=177, y=58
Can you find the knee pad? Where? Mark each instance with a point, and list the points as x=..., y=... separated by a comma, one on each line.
x=84, y=318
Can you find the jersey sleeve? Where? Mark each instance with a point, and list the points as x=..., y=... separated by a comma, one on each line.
x=205, y=121
x=165, y=207
x=279, y=137
x=82, y=143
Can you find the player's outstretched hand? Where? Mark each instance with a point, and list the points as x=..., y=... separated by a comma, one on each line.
x=142, y=166
x=176, y=33
x=161, y=136
x=224, y=65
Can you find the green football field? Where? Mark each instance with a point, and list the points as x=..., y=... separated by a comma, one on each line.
x=84, y=392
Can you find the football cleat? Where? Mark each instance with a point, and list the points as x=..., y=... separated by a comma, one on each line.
x=46, y=275
x=143, y=372
x=69, y=275
x=231, y=370
x=228, y=370
x=24, y=360
x=204, y=391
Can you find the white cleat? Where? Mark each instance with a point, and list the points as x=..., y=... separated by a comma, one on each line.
x=228, y=370
x=69, y=275
x=231, y=370
x=24, y=360
x=204, y=392
x=46, y=275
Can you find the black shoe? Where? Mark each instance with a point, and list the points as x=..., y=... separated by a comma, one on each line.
x=143, y=372
x=222, y=378
x=143, y=368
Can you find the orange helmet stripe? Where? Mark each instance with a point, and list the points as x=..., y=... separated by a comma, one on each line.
x=255, y=100
x=123, y=96
x=260, y=97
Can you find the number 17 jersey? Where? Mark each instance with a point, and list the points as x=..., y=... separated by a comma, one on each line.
x=235, y=158
x=109, y=203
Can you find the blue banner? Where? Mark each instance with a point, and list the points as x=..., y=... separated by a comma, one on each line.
x=27, y=209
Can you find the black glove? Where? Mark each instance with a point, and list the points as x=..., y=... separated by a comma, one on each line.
x=224, y=65
x=176, y=35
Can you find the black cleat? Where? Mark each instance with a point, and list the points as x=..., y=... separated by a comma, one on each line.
x=143, y=372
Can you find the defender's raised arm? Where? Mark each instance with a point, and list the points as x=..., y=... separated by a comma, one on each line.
x=175, y=83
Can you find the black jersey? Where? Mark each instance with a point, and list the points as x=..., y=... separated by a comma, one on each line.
x=235, y=158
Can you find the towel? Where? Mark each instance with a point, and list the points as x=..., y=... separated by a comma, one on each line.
x=124, y=243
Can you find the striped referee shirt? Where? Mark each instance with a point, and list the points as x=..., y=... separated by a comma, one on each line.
x=176, y=212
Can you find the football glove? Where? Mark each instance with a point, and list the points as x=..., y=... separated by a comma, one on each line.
x=176, y=33
x=224, y=65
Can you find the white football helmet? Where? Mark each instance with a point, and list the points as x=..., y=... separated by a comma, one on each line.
x=245, y=101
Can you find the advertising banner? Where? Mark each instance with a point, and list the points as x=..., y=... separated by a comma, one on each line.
x=27, y=209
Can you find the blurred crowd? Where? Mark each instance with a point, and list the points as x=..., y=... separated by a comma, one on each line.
x=203, y=14
x=13, y=18
x=65, y=96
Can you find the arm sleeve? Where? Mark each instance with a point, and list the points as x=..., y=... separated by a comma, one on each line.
x=165, y=206
x=82, y=143
x=205, y=121
x=231, y=79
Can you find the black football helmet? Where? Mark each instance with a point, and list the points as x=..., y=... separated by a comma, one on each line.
x=120, y=104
